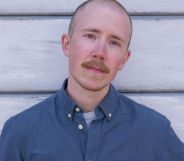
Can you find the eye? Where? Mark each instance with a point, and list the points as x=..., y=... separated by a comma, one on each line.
x=115, y=43
x=90, y=36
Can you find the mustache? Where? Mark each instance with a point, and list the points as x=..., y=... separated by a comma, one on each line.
x=99, y=65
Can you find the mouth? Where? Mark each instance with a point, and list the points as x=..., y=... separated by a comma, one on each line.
x=97, y=66
x=96, y=70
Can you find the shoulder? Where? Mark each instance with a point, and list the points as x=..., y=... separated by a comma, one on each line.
x=23, y=129
x=32, y=116
x=40, y=108
x=143, y=115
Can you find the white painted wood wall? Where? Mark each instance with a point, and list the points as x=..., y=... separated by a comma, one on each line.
x=32, y=65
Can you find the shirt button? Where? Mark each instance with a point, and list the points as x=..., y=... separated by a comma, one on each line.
x=110, y=115
x=69, y=115
x=77, y=109
x=80, y=126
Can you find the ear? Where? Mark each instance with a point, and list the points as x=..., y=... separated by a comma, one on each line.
x=65, y=41
x=125, y=59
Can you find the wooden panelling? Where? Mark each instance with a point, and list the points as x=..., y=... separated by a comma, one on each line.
x=32, y=58
x=46, y=7
x=170, y=105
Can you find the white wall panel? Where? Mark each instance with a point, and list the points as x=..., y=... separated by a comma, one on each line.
x=32, y=58
x=170, y=105
x=36, y=7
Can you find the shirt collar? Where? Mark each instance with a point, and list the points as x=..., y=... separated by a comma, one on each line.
x=109, y=103
x=107, y=106
x=65, y=102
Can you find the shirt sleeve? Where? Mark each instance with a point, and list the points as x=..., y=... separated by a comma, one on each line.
x=8, y=148
x=173, y=147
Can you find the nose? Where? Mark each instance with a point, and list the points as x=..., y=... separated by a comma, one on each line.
x=99, y=52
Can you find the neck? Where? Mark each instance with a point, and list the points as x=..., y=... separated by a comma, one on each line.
x=86, y=99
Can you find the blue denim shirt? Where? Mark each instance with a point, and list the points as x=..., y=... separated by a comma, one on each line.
x=54, y=130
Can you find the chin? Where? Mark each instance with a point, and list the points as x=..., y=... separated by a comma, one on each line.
x=94, y=87
x=91, y=83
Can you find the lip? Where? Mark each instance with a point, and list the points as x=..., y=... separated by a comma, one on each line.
x=95, y=70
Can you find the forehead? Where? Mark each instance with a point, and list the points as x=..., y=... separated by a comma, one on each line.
x=103, y=17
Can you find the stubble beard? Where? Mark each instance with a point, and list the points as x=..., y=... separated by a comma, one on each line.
x=87, y=87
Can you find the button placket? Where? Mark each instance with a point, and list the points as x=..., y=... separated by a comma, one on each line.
x=93, y=141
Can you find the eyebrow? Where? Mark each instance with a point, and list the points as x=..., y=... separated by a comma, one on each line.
x=98, y=31
x=92, y=30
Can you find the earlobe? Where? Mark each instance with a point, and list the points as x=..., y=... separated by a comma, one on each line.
x=128, y=55
x=65, y=41
x=125, y=59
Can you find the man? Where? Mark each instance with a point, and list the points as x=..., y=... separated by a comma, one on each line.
x=88, y=120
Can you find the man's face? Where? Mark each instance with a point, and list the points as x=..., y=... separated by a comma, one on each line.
x=97, y=48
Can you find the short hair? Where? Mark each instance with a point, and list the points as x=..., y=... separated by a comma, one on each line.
x=81, y=6
x=78, y=9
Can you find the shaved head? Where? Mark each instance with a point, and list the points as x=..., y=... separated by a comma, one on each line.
x=110, y=3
